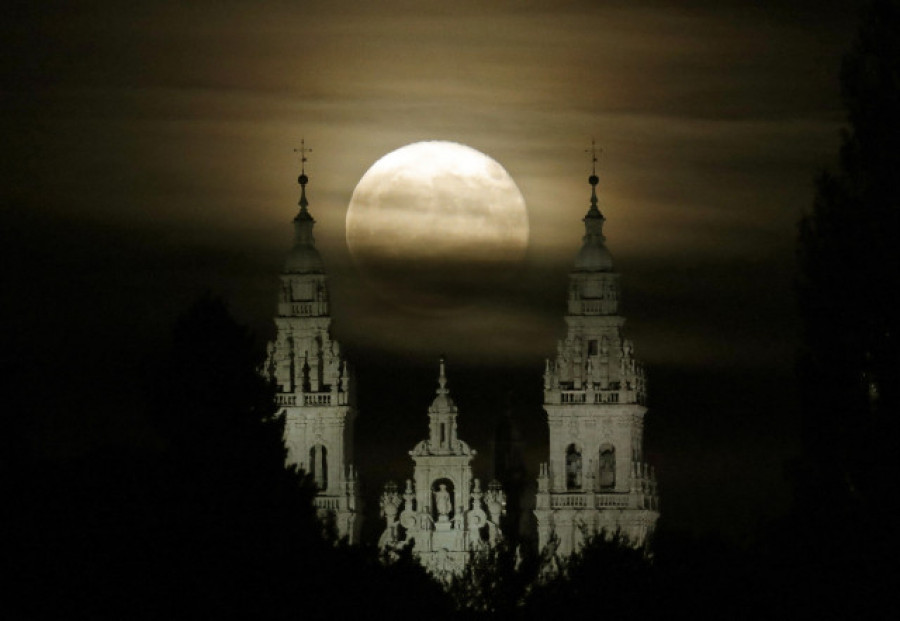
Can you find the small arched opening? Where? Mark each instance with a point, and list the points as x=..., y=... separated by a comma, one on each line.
x=607, y=469
x=318, y=466
x=573, y=467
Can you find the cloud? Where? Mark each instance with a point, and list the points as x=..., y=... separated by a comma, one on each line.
x=181, y=118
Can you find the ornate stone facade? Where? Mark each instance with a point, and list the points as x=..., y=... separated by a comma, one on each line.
x=595, y=478
x=314, y=384
x=442, y=511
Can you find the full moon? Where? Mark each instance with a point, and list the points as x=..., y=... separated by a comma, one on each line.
x=432, y=215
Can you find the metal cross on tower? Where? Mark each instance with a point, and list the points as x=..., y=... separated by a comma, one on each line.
x=594, y=159
x=303, y=150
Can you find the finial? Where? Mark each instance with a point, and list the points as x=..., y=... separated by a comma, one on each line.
x=303, y=150
x=593, y=179
x=442, y=380
x=303, y=179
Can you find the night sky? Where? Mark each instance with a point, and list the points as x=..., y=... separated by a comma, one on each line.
x=147, y=158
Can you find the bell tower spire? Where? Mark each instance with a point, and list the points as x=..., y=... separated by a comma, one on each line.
x=595, y=477
x=593, y=180
x=303, y=222
x=593, y=220
x=594, y=256
x=315, y=387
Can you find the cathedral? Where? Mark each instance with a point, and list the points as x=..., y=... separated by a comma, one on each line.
x=595, y=480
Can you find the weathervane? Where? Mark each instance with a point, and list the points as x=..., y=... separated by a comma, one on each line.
x=303, y=179
x=303, y=150
x=593, y=151
x=593, y=179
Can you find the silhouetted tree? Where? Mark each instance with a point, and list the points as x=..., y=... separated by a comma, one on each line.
x=607, y=576
x=494, y=582
x=236, y=523
x=246, y=536
x=849, y=293
x=849, y=285
x=209, y=401
x=212, y=526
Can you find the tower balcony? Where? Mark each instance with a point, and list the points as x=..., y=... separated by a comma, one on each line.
x=582, y=500
x=311, y=399
x=303, y=309
x=581, y=306
x=641, y=492
x=335, y=503
x=593, y=397
x=329, y=503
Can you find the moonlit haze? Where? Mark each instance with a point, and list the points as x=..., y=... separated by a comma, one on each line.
x=149, y=158
x=437, y=200
x=432, y=209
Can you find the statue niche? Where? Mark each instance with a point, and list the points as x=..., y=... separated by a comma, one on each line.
x=442, y=492
x=573, y=467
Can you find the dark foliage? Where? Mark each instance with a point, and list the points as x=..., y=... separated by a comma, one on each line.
x=207, y=399
x=607, y=576
x=495, y=582
x=844, y=532
x=214, y=526
x=849, y=288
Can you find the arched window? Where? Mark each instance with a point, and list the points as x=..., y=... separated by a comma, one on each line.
x=573, y=467
x=607, y=468
x=318, y=466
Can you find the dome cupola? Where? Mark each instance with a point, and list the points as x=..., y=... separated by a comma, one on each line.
x=594, y=255
x=303, y=257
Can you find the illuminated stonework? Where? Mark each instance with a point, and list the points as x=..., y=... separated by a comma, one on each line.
x=314, y=385
x=596, y=478
x=445, y=513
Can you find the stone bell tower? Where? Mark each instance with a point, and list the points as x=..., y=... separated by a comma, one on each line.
x=594, y=391
x=443, y=507
x=314, y=384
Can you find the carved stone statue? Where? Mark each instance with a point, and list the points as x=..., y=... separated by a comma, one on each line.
x=442, y=502
x=390, y=505
x=408, y=516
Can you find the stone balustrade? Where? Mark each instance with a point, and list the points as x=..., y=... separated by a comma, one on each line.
x=290, y=399
x=592, y=307
x=572, y=396
x=612, y=500
x=598, y=396
x=601, y=501
x=330, y=503
x=568, y=501
x=311, y=399
x=317, y=398
x=303, y=309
